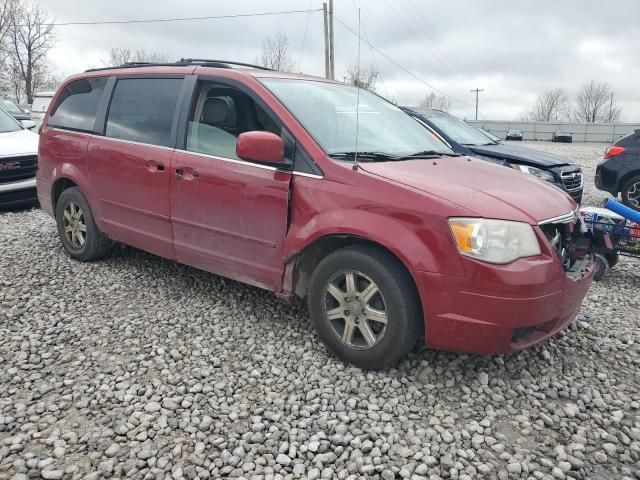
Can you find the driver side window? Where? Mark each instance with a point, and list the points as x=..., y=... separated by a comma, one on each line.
x=219, y=114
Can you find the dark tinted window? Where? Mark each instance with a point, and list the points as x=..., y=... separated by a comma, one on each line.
x=142, y=110
x=77, y=104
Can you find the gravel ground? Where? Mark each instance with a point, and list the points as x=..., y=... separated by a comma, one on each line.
x=140, y=368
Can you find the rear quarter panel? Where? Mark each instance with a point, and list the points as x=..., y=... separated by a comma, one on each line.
x=62, y=154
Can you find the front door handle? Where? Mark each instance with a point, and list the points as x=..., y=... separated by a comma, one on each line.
x=186, y=173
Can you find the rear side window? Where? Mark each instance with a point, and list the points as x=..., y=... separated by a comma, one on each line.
x=77, y=104
x=142, y=110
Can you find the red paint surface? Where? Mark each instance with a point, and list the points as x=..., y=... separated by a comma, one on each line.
x=249, y=223
x=260, y=147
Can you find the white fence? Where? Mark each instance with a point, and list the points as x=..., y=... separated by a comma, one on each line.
x=582, y=132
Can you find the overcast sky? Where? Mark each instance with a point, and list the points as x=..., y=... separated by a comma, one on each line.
x=515, y=50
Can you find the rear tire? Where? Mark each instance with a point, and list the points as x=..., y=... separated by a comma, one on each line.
x=631, y=193
x=364, y=306
x=78, y=232
x=602, y=267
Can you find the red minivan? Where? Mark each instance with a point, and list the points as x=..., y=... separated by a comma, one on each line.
x=253, y=174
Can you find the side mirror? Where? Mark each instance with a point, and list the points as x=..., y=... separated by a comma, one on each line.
x=29, y=124
x=258, y=146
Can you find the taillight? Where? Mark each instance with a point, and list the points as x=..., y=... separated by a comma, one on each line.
x=613, y=151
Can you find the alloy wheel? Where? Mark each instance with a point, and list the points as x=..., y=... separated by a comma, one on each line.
x=355, y=309
x=633, y=195
x=75, y=228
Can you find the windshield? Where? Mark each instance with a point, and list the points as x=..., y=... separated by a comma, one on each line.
x=7, y=123
x=9, y=106
x=328, y=112
x=40, y=104
x=490, y=135
x=461, y=132
x=458, y=130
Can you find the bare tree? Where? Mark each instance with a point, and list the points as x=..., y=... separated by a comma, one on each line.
x=276, y=53
x=6, y=11
x=32, y=37
x=6, y=14
x=363, y=77
x=613, y=112
x=436, y=102
x=595, y=103
x=552, y=105
x=120, y=56
x=12, y=78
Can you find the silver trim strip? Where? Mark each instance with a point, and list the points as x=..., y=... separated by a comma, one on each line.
x=21, y=185
x=233, y=160
x=19, y=156
x=308, y=175
x=566, y=218
x=214, y=157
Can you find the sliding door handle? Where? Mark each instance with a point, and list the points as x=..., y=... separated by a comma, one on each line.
x=186, y=173
x=154, y=166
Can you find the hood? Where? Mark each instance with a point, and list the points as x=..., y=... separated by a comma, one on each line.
x=529, y=156
x=487, y=189
x=22, y=142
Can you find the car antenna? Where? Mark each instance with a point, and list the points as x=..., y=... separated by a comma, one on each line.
x=355, y=158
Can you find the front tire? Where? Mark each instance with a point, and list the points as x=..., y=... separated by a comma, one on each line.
x=364, y=306
x=78, y=232
x=631, y=193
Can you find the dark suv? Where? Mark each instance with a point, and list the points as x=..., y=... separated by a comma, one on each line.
x=469, y=140
x=619, y=172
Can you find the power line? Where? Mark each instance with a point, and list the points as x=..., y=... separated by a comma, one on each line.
x=181, y=19
x=436, y=39
x=304, y=37
x=373, y=57
x=392, y=33
x=401, y=67
x=411, y=31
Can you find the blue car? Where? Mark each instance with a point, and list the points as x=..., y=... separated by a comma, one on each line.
x=471, y=141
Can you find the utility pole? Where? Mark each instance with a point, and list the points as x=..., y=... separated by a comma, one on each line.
x=477, y=90
x=327, y=62
x=611, y=107
x=332, y=65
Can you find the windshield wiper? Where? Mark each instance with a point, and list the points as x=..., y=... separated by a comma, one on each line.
x=366, y=156
x=431, y=154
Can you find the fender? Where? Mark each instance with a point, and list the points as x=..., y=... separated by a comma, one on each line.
x=71, y=172
x=404, y=234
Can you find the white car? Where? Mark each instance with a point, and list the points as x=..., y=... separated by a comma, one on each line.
x=18, y=162
x=41, y=101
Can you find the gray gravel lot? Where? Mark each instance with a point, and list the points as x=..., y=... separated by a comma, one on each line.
x=138, y=367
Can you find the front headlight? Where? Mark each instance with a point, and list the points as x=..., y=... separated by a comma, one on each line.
x=538, y=172
x=494, y=241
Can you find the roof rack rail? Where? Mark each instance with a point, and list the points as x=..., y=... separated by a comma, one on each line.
x=222, y=62
x=180, y=63
x=133, y=65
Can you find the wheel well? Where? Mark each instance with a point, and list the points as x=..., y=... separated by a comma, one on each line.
x=626, y=178
x=60, y=186
x=307, y=260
